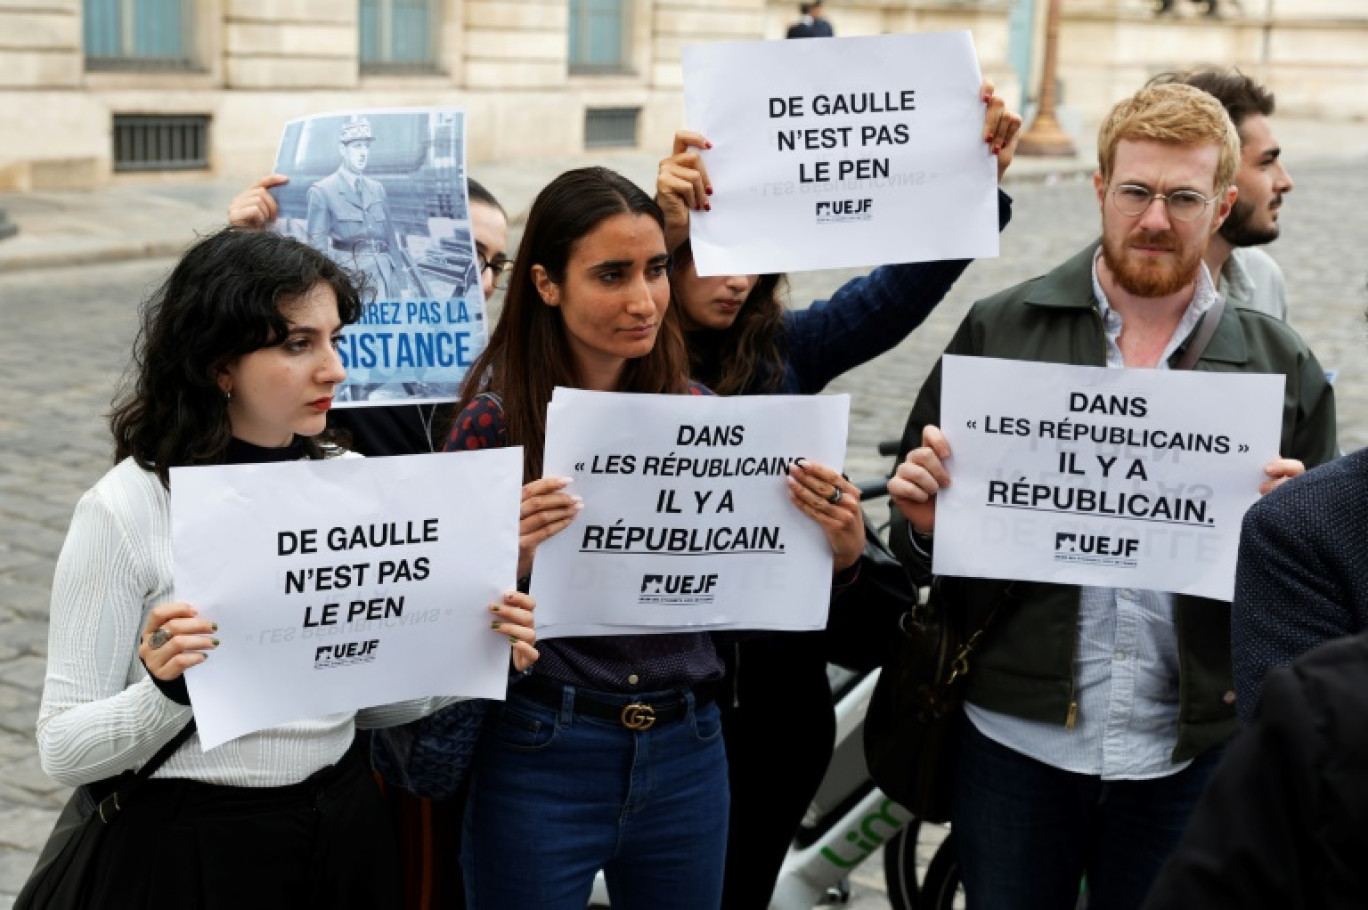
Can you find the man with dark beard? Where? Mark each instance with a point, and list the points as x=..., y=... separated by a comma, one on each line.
x=1093, y=716
x=1246, y=275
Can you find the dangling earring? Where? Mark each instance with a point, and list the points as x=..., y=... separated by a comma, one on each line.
x=227, y=395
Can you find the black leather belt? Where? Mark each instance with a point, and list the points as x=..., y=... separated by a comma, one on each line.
x=635, y=714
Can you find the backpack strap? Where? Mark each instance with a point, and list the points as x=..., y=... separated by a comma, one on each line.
x=1202, y=337
x=126, y=784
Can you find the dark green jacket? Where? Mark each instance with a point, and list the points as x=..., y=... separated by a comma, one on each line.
x=1025, y=667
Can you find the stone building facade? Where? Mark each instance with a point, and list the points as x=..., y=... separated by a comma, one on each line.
x=100, y=90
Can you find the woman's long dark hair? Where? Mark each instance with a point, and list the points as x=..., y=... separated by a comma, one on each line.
x=221, y=301
x=528, y=353
x=749, y=357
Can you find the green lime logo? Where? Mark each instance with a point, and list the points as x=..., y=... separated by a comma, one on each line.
x=869, y=833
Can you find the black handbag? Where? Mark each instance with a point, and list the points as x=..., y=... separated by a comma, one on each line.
x=60, y=879
x=865, y=616
x=910, y=729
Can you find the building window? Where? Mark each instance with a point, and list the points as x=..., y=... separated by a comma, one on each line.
x=611, y=127
x=139, y=34
x=399, y=36
x=598, y=36
x=161, y=143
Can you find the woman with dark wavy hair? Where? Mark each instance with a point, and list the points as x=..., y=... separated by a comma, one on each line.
x=222, y=302
x=778, y=719
x=561, y=785
x=235, y=362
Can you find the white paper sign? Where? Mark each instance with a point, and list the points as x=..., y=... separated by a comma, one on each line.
x=1093, y=476
x=345, y=583
x=840, y=152
x=687, y=522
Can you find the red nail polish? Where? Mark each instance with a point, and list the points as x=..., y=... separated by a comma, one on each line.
x=707, y=207
x=707, y=145
x=708, y=190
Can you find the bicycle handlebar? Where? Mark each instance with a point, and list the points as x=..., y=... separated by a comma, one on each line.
x=872, y=489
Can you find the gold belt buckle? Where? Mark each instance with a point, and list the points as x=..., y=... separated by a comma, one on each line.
x=638, y=717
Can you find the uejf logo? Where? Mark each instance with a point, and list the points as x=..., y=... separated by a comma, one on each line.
x=345, y=654
x=1094, y=548
x=677, y=589
x=845, y=210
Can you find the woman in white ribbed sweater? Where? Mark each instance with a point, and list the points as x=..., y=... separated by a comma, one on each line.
x=235, y=362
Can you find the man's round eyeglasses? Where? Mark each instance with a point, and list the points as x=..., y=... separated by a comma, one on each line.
x=501, y=268
x=1133, y=200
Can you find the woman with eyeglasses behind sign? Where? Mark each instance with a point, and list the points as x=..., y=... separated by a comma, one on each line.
x=778, y=719
x=235, y=363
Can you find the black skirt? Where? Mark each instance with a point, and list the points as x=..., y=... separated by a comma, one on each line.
x=322, y=843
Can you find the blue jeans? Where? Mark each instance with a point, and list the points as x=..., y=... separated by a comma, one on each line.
x=557, y=795
x=1027, y=832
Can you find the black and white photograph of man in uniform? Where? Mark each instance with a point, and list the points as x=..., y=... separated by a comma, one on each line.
x=349, y=218
x=382, y=193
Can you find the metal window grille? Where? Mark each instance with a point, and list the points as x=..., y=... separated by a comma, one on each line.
x=611, y=127
x=399, y=36
x=598, y=36
x=161, y=143
x=138, y=34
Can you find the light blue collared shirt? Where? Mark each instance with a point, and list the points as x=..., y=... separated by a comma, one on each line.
x=1126, y=662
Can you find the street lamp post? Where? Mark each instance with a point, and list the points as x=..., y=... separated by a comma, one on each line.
x=1045, y=136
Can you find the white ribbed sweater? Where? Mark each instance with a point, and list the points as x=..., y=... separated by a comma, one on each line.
x=101, y=714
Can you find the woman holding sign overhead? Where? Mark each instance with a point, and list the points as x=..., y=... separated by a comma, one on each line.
x=235, y=362
x=397, y=428
x=565, y=782
x=778, y=719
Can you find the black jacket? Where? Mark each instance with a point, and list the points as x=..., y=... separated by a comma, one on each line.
x=1284, y=822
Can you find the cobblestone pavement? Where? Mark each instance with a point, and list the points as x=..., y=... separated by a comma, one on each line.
x=70, y=331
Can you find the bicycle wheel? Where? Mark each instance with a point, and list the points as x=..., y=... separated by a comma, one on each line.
x=941, y=887
x=900, y=868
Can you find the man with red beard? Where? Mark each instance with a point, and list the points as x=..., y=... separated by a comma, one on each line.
x=1093, y=716
x=1244, y=274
